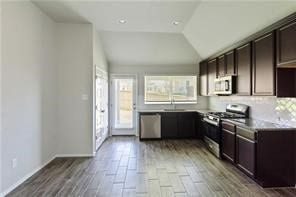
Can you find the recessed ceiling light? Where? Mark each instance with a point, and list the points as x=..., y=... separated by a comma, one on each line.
x=176, y=22
x=122, y=21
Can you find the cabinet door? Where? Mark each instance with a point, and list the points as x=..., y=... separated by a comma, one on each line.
x=228, y=141
x=286, y=45
x=203, y=76
x=186, y=125
x=221, y=66
x=245, y=154
x=169, y=126
x=264, y=66
x=243, y=62
x=198, y=126
x=212, y=75
x=229, y=63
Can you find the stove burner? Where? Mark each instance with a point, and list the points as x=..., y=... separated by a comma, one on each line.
x=226, y=115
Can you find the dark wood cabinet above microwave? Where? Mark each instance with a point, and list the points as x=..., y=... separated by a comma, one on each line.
x=221, y=66
x=229, y=63
x=286, y=45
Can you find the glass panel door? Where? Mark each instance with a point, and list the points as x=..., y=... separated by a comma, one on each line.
x=123, y=106
x=101, y=108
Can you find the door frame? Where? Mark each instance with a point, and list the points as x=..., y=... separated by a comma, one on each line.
x=111, y=109
x=94, y=119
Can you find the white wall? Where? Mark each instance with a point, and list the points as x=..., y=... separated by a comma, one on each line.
x=142, y=48
x=0, y=99
x=216, y=25
x=140, y=71
x=75, y=73
x=28, y=90
x=99, y=57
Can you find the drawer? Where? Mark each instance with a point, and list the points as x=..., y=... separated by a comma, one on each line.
x=246, y=133
x=228, y=126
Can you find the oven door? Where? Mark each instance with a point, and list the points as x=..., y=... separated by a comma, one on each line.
x=212, y=131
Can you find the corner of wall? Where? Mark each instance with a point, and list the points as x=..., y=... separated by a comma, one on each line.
x=1, y=98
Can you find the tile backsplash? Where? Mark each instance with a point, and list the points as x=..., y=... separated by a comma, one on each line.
x=278, y=110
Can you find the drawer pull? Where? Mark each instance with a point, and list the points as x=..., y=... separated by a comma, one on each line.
x=246, y=139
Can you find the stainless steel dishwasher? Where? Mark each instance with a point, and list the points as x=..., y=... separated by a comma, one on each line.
x=150, y=126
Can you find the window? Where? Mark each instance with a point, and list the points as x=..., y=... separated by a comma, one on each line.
x=170, y=89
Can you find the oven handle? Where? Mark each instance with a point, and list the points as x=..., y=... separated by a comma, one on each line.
x=211, y=122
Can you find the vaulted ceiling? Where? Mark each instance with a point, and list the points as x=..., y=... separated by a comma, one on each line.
x=149, y=36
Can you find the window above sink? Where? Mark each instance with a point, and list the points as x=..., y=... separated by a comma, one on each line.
x=170, y=89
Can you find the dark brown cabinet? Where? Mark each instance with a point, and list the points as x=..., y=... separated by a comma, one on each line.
x=245, y=151
x=263, y=66
x=221, y=66
x=286, y=45
x=243, y=62
x=229, y=63
x=186, y=125
x=286, y=82
x=259, y=153
x=203, y=78
x=199, y=126
x=212, y=75
x=178, y=125
x=169, y=125
x=228, y=141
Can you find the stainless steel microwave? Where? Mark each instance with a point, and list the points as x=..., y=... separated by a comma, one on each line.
x=225, y=85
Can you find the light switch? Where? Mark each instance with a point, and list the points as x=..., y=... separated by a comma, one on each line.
x=84, y=97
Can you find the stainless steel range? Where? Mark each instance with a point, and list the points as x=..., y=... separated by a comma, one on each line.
x=212, y=125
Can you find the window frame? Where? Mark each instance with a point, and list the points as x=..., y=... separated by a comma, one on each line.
x=171, y=89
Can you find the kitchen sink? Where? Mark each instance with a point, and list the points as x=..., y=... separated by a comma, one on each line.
x=175, y=110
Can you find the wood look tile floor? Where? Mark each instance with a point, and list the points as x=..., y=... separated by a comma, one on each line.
x=124, y=166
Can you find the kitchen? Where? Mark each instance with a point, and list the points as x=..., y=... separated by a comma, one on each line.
x=148, y=98
x=255, y=79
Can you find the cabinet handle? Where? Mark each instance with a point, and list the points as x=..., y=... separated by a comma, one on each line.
x=232, y=133
x=246, y=139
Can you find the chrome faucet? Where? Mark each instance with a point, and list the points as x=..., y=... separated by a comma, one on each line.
x=173, y=103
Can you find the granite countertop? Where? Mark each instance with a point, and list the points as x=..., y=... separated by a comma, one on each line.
x=202, y=111
x=261, y=125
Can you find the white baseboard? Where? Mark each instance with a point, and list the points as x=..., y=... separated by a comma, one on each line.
x=74, y=155
x=20, y=181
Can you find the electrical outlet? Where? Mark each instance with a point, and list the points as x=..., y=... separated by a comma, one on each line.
x=14, y=163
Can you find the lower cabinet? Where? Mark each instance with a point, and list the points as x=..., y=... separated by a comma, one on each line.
x=199, y=126
x=245, y=155
x=179, y=125
x=169, y=125
x=186, y=125
x=228, y=141
x=267, y=156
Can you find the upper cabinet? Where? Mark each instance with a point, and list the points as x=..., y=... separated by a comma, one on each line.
x=221, y=66
x=243, y=62
x=203, y=78
x=229, y=63
x=286, y=45
x=212, y=75
x=263, y=66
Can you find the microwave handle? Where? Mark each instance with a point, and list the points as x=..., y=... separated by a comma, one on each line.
x=226, y=85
